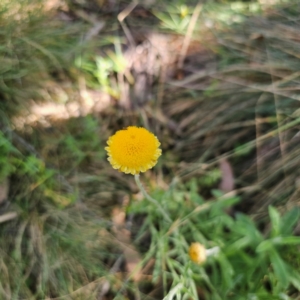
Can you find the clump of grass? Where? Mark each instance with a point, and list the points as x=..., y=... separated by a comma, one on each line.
x=246, y=108
x=35, y=47
x=52, y=248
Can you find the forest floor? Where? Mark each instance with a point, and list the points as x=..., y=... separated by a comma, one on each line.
x=216, y=82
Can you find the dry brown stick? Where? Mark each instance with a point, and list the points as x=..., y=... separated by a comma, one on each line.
x=8, y=216
x=86, y=290
x=259, y=156
x=92, y=19
x=122, y=16
x=242, y=67
x=279, y=123
x=188, y=35
x=254, y=87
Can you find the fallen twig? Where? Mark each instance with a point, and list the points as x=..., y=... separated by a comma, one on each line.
x=7, y=217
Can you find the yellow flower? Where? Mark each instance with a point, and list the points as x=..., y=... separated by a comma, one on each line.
x=197, y=253
x=133, y=150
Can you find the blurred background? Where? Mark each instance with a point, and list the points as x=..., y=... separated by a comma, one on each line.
x=216, y=81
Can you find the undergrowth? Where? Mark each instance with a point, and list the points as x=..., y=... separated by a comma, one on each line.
x=249, y=263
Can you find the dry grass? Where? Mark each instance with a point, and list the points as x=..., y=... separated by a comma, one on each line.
x=251, y=101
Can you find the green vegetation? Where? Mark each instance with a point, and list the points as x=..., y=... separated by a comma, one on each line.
x=216, y=82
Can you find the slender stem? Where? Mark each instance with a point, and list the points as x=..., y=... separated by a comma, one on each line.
x=173, y=291
x=149, y=198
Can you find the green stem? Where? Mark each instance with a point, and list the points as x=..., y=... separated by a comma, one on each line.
x=149, y=198
x=173, y=291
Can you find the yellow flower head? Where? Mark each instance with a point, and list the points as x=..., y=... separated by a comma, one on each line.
x=133, y=150
x=197, y=253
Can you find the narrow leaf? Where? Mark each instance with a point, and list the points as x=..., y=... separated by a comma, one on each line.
x=275, y=220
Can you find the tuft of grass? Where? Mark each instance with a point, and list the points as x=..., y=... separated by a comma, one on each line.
x=52, y=248
x=35, y=47
x=245, y=109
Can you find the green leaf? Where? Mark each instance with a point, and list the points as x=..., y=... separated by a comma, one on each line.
x=280, y=269
x=295, y=279
x=269, y=244
x=289, y=220
x=265, y=246
x=291, y=240
x=224, y=202
x=238, y=245
x=194, y=194
x=217, y=193
x=227, y=272
x=275, y=220
x=246, y=227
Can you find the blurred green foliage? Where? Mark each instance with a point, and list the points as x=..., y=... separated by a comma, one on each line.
x=249, y=264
